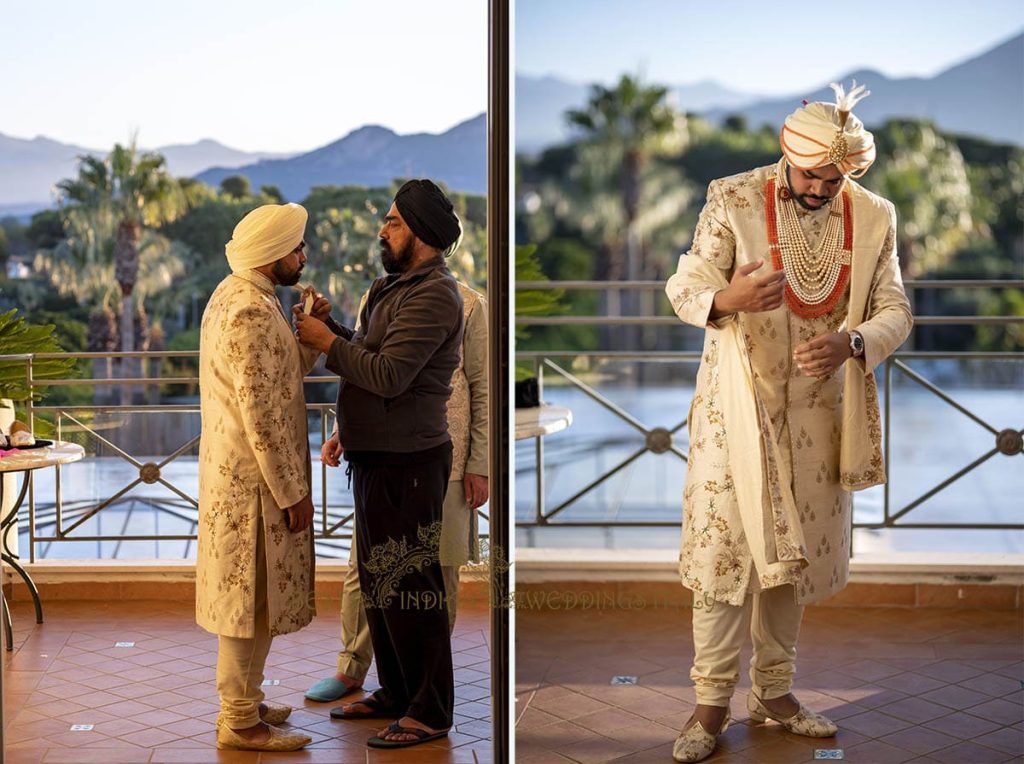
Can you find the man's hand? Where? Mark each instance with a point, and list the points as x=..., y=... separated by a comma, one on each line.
x=821, y=356
x=299, y=516
x=320, y=308
x=330, y=451
x=750, y=294
x=477, y=489
x=313, y=332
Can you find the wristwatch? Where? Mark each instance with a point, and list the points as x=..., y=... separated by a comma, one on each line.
x=856, y=344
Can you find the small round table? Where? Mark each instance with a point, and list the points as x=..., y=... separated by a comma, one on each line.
x=61, y=452
x=541, y=420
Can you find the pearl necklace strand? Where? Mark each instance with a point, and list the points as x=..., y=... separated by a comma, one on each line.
x=812, y=273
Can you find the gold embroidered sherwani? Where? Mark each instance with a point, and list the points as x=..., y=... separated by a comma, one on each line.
x=774, y=453
x=253, y=461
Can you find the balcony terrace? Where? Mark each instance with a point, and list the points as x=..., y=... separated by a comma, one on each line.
x=920, y=658
x=109, y=542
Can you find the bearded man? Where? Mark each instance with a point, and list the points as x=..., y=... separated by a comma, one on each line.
x=254, y=566
x=396, y=372
x=793, y=274
x=468, y=490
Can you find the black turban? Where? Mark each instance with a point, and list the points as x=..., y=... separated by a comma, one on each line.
x=429, y=213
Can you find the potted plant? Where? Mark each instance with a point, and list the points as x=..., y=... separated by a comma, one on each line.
x=18, y=337
x=531, y=302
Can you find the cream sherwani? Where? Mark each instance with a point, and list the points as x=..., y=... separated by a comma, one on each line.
x=467, y=425
x=774, y=453
x=253, y=462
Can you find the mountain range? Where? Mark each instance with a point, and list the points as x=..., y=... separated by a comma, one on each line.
x=29, y=168
x=371, y=155
x=374, y=156
x=983, y=97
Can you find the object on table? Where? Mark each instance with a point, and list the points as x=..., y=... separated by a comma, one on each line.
x=21, y=435
x=528, y=393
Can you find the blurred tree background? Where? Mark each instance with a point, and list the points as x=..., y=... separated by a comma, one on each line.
x=126, y=236
x=621, y=200
x=130, y=257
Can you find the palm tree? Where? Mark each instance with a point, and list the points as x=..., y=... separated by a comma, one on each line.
x=628, y=124
x=131, y=191
x=343, y=256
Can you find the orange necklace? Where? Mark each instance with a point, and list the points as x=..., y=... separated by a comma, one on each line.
x=815, y=277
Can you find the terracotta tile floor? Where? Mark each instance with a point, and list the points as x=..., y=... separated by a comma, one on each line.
x=156, y=701
x=921, y=685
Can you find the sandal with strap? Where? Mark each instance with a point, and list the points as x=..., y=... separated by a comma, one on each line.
x=422, y=736
x=378, y=710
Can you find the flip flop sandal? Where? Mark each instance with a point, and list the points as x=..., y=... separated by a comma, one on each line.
x=422, y=736
x=377, y=710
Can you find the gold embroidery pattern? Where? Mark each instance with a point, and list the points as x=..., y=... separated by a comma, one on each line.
x=253, y=448
x=394, y=559
x=800, y=414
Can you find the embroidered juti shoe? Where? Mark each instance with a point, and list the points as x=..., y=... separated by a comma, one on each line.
x=804, y=722
x=279, y=740
x=274, y=713
x=696, y=743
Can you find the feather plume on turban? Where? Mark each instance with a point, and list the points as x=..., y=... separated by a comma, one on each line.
x=266, y=234
x=820, y=134
x=430, y=215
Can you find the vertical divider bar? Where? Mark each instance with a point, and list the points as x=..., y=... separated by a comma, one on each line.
x=499, y=330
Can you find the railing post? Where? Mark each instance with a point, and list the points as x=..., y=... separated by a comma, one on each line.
x=539, y=447
x=887, y=449
x=30, y=415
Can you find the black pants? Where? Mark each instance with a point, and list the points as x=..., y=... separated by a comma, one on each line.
x=398, y=502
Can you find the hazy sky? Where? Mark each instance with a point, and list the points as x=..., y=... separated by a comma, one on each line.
x=256, y=75
x=771, y=47
x=294, y=76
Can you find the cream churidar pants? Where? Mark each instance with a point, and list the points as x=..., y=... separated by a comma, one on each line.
x=773, y=618
x=240, y=662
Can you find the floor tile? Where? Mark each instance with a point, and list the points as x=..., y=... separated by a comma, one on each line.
x=157, y=702
x=877, y=672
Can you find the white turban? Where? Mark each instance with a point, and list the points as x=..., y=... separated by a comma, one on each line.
x=820, y=134
x=266, y=234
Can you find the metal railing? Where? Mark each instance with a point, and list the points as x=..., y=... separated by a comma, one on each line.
x=67, y=514
x=661, y=439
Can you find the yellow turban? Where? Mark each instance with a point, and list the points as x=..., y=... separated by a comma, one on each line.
x=266, y=234
x=820, y=133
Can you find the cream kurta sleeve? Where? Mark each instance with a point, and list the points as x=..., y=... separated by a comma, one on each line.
x=474, y=346
x=692, y=288
x=308, y=356
x=889, y=317
x=255, y=361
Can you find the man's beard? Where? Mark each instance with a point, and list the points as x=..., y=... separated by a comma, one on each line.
x=284, y=276
x=801, y=199
x=393, y=264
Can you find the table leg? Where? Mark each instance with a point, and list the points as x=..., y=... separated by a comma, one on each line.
x=8, y=627
x=11, y=516
x=28, y=582
x=9, y=557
